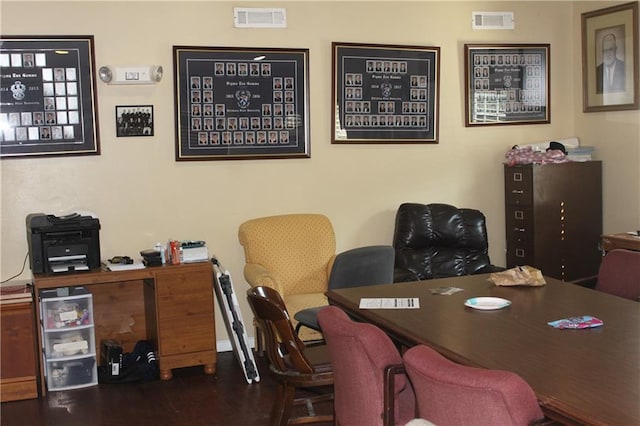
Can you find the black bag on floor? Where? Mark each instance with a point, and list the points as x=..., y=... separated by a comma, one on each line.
x=137, y=366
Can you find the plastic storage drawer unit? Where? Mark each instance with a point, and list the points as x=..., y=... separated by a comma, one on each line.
x=68, y=332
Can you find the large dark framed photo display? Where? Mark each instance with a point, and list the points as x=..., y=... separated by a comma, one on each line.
x=48, y=98
x=384, y=94
x=241, y=103
x=507, y=84
x=610, y=59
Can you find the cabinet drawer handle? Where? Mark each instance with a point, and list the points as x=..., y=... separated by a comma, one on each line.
x=519, y=252
x=519, y=229
x=517, y=191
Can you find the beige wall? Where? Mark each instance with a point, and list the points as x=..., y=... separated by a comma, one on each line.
x=142, y=195
x=616, y=136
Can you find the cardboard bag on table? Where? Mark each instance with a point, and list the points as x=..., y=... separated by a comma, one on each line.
x=520, y=275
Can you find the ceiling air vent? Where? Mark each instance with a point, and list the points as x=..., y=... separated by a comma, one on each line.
x=246, y=17
x=492, y=20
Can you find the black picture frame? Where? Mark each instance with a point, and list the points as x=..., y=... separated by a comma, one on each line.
x=615, y=30
x=384, y=94
x=49, y=106
x=134, y=120
x=507, y=84
x=241, y=103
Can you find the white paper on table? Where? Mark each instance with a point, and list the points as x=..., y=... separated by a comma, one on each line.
x=390, y=303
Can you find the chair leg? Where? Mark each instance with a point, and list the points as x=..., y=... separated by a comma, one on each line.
x=258, y=340
x=312, y=416
x=283, y=405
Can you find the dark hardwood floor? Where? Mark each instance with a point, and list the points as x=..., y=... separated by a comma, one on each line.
x=191, y=398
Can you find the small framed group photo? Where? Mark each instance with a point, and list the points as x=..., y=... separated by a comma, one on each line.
x=48, y=96
x=506, y=84
x=384, y=94
x=134, y=120
x=241, y=103
x=610, y=59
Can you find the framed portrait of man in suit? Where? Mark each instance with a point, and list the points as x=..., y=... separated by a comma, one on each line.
x=610, y=58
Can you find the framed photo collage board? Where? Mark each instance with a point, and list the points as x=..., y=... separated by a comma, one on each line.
x=236, y=103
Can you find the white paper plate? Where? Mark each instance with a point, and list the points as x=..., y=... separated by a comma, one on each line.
x=487, y=303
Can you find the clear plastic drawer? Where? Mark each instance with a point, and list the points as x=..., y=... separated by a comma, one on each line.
x=71, y=374
x=69, y=343
x=66, y=312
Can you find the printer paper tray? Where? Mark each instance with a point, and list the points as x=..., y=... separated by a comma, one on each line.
x=66, y=267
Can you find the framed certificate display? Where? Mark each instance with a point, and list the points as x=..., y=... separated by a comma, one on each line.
x=241, y=103
x=47, y=96
x=384, y=94
x=506, y=84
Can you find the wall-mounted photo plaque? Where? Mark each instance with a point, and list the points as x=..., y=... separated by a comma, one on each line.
x=48, y=96
x=384, y=94
x=241, y=103
x=506, y=84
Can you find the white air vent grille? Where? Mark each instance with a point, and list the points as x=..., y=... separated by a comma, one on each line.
x=492, y=20
x=244, y=17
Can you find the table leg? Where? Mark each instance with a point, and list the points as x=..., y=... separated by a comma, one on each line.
x=210, y=368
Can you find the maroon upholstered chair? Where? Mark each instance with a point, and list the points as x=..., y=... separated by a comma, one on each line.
x=360, y=353
x=453, y=394
x=619, y=274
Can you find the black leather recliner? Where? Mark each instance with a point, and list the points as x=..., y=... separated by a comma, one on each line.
x=440, y=240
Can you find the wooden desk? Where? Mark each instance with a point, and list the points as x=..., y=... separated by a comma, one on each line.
x=587, y=376
x=172, y=306
x=623, y=241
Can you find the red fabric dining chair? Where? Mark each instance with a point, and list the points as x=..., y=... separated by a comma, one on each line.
x=453, y=394
x=619, y=274
x=360, y=354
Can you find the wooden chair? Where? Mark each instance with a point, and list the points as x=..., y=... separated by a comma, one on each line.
x=292, y=364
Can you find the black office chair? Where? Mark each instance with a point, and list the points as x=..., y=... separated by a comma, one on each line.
x=438, y=241
x=370, y=265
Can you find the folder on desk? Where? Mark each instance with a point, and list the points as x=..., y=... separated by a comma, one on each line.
x=124, y=267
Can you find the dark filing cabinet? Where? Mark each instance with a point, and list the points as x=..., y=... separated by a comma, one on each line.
x=554, y=218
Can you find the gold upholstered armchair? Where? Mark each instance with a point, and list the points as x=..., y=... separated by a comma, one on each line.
x=292, y=254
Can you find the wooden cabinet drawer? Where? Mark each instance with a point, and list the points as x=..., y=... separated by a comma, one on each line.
x=18, y=366
x=185, y=312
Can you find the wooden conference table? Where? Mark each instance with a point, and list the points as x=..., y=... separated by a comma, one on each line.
x=589, y=376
